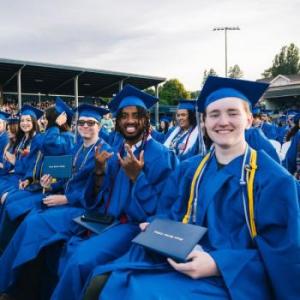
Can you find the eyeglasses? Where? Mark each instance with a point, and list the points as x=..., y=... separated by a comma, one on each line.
x=89, y=123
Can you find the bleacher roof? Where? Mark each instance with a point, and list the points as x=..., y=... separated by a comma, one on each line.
x=59, y=79
x=282, y=86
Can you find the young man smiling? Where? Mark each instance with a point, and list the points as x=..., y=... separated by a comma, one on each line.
x=129, y=190
x=249, y=204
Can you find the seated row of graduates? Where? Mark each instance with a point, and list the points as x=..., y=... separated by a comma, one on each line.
x=136, y=179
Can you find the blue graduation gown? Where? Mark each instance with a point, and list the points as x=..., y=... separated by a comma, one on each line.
x=258, y=141
x=281, y=133
x=158, y=136
x=20, y=202
x=7, y=167
x=104, y=134
x=291, y=155
x=3, y=143
x=52, y=142
x=115, y=140
x=270, y=130
x=22, y=165
x=264, y=268
x=43, y=227
x=138, y=201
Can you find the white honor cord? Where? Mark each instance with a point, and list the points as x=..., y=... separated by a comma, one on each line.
x=243, y=184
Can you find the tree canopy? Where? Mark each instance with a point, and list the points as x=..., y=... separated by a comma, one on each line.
x=286, y=62
x=235, y=72
x=171, y=91
x=206, y=73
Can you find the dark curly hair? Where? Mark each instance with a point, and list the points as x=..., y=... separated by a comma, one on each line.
x=142, y=114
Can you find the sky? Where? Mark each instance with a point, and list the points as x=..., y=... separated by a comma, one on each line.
x=165, y=38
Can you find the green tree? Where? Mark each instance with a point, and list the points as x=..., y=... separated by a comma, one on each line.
x=235, y=72
x=210, y=72
x=171, y=91
x=286, y=62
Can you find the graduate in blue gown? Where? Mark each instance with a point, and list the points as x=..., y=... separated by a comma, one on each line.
x=261, y=121
x=57, y=140
x=26, y=150
x=52, y=220
x=183, y=138
x=129, y=191
x=160, y=133
x=21, y=198
x=249, y=204
x=3, y=133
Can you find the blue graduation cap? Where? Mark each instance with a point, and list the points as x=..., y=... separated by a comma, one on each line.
x=216, y=88
x=13, y=120
x=296, y=118
x=131, y=96
x=256, y=110
x=4, y=115
x=165, y=119
x=186, y=104
x=87, y=110
x=61, y=106
x=31, y=111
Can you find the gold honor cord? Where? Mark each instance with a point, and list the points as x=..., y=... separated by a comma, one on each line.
x=191, y=198
x=250, y=190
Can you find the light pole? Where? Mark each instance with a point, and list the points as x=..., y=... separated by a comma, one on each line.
x=225, y=29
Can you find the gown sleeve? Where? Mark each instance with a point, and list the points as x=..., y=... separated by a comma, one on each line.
x=276, y=248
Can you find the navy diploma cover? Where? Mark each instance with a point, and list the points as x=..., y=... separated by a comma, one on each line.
x=93, y=226
x=58, y=166
x=170, y=238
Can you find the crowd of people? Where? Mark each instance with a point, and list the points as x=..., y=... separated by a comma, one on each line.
x=218, y=167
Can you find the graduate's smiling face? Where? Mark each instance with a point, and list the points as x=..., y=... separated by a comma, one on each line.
x=88, y=127
x=131, y=124
x=26, y=123
x=182, y=118
x=226, y=121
